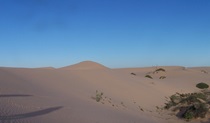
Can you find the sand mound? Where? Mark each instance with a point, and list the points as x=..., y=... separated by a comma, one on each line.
x=85, y=65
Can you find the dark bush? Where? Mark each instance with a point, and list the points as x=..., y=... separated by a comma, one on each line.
x=203, y=71
x=188, y=115
x=190, y=105
x=133, y=74
x=160, y=69
x=202, y=85
x=148, y=76
x=98, y=96
x=162, y=77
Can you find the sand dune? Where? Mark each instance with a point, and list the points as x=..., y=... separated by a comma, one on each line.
x=67, y=95
x=86, y=65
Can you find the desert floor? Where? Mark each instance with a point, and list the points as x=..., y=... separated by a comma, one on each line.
x=67, y=95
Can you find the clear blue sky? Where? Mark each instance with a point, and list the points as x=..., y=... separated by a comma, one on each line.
x=116, y=33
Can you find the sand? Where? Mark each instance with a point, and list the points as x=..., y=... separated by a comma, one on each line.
x=67, y=94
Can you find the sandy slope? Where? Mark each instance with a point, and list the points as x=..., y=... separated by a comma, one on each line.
x=65, y=95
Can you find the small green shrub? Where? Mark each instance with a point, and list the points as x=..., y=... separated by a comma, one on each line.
x=98, y=96
x=203, y=71
x=201, y=110
x=148, y=76
x=202, y=85
x=162, y=77
x=133, y=74
x=196, y=111
x=160, y=69
x=202, y=96
x=188, y=115
x=169, y=105
x=175, y=99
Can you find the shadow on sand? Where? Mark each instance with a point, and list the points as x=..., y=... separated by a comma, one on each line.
x=206, y=121
x=30, y=114
x=14, y=95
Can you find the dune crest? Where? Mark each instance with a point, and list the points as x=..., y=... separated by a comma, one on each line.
x=85, y=65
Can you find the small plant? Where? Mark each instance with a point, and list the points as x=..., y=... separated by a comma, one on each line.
x=160, y=69
x=133, y=74
x=188, y=115
x=98, y=96
x=141, y=108
x=196, y=111
x=203, y=71
x=202, y=85
x=162, y=77
x=148, y=76
x=174, y=100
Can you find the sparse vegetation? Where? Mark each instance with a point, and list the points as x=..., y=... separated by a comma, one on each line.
x=148, y=76
x=141, y=108
x=133, y=74
x=160, y=69
x=203, y=71
x=202, y=85
x=98, y=96
x=190, y=105
x=162, y=77
x=188, y=115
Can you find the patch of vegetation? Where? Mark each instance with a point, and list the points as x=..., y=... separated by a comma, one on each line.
x=190, y=105
x=160, y=69
x=188, y=115
x=148, y=76
x=196, y=111
x=162, y=77
x=98, y=96
x=174, y=100
x=133, y=74
x=141, y=108
x=203, y=71
x=202, y=85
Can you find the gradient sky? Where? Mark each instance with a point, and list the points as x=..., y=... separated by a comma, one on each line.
x=116, y=33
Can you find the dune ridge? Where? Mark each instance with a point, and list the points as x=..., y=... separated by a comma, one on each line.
x=85, y=65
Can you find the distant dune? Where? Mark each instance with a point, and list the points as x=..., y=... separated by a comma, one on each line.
x=89, y=92
x=86, y=65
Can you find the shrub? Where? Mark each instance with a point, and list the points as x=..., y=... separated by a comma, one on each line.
x=175, y=98
x=188, y=115
x=190, y=105
x=160, y=69
x=203, y=71
x=133, y=74
x=169, y=105
x=202, y=85
x=98, y=96
x=196, y=111
x=201, y=110
x=162, y=77
x=148, y=76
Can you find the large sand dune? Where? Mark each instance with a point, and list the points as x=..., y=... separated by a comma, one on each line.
x=66, y=95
